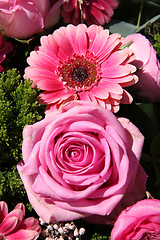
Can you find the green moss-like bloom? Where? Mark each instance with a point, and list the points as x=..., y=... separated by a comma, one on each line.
x=18, y=107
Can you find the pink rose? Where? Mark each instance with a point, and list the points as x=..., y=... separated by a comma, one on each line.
x=13, y=226
x=81, y=162
x=138, y=222
x=148, y=85
x=22, y=18
x=5, y=48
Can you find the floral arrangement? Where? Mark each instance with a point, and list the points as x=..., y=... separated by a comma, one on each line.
x=79, y=120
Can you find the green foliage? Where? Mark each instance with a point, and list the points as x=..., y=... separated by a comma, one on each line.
x=18, y=107
x=97, y=236
x=11, y=187
x=156, y=45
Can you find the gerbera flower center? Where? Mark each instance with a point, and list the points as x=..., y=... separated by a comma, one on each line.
x=80, y=72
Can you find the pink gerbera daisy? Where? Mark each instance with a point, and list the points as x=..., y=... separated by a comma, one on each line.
x=82, y=63
x=93, y=11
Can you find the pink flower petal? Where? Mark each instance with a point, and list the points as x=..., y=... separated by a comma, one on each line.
x=3, y=210
x=100, y=92
x=81, y=38
x=8, y=225
x=23, y=234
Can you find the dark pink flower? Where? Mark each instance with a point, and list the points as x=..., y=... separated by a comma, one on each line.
x=148, y=86
x=82, y=162
x=5, y=48
x=82, y=63
x=93, y=11
x=14, y=227
x=138, y=222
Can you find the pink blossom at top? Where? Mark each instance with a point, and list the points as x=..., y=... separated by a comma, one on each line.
x=14, y=227
x=138, y=222
x=82, y=162
x=93, y=11
x=77, y=62
x=5, y=48
x=148, y=86
x=22, y=18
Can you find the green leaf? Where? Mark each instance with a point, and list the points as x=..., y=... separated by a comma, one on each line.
x=155, y=146
x=124, y=28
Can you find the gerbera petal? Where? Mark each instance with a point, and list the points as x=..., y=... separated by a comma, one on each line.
x=112, y=87
x=52, y=97
x=92, y=32
x=50, y=84
x=127, y=98
x=84, y=96
x=71, y=35
x=63, y=42
x=114, y=41
x=81, y=38
x=126, y=83
x=44, y=79
x=100, y=92
x=117, y=71
x=41, y=60
x=47, y=48
x=99, y=42
x=97, y=14
x=98, y=5
x=117, y=57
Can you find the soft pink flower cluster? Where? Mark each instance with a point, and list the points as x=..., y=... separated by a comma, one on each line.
x=81, y=161
x=13, y=226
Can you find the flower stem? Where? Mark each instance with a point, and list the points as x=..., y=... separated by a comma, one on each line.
x=140, y=13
